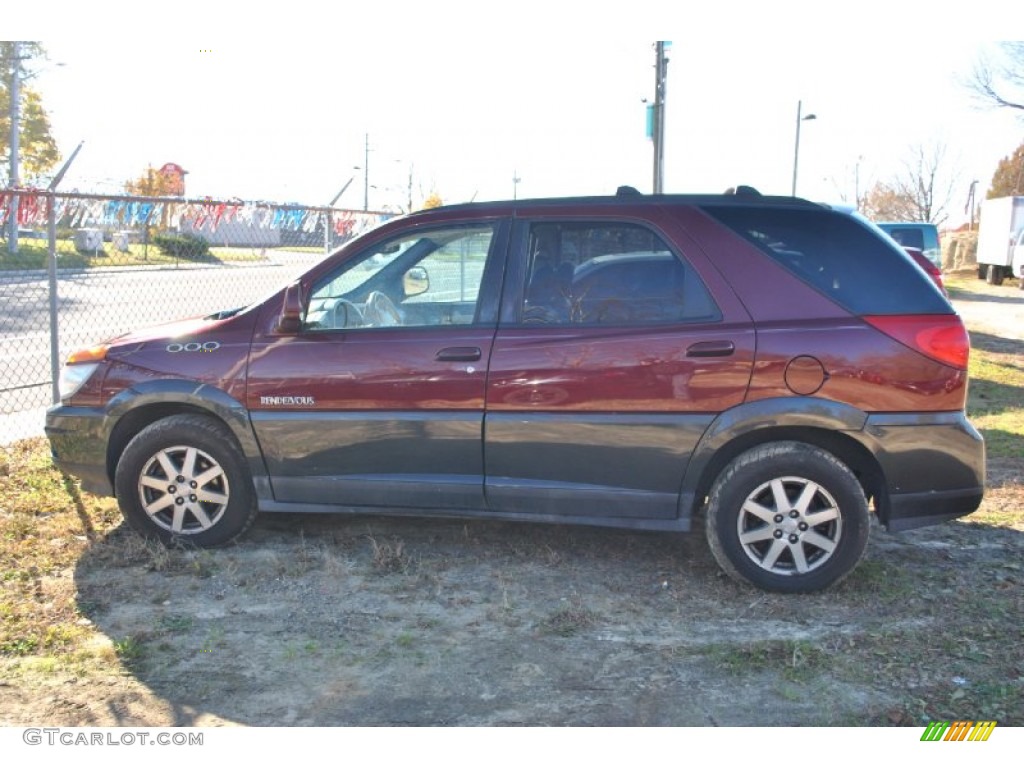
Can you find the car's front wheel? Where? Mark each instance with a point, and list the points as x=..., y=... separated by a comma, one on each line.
x=787, y=517
x=183, y=478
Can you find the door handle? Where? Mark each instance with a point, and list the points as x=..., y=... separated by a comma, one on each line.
x=458, y=354
x=710, y=349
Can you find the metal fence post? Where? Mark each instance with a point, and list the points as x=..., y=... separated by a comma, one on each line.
x=51, y=225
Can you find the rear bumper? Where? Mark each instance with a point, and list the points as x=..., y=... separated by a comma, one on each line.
x=914, y=510
x=933, y=464
x=78, y=445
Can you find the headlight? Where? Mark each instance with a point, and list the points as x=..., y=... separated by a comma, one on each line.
x=80, y=366
x=72, y=377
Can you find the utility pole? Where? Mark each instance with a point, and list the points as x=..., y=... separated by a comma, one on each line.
x=856, y=183
x=366, y=174
x=15, y=140
x=409, y=209
x=971, y=203
x=658, y=115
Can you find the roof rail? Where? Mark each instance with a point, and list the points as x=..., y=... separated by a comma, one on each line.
x=744, y=190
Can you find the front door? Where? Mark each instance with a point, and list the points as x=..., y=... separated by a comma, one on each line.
x=378, y=399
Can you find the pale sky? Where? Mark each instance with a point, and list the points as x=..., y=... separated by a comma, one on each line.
x=273, y=101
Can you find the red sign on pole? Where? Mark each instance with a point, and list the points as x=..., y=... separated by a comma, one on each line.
x=175, y=176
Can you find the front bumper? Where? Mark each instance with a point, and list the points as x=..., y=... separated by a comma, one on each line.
x=78, y=444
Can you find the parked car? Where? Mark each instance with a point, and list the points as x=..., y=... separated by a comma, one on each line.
x=916, y=234
x=930, y=269
x=779, y=368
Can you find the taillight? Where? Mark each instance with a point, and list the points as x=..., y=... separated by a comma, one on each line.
x=928, y=266
x=940, y=337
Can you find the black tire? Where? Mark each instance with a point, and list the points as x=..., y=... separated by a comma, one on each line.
x=813, y=542
x=994, y=275
x=982, y=271
x=191, y=476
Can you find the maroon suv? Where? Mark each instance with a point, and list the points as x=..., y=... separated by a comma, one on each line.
x=630, y=361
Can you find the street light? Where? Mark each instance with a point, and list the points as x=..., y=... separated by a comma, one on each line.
x=796, y=148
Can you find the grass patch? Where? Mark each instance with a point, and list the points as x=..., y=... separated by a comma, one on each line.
x=964, y=284
x=241, y=254
x=389, y=556
x=995, y=402
x=794, y=660
x=943, y=672
x=176, y=623
x=128, y=649
x=33, y=254
x=569, y=619
x=305, y=249
x=44, y=529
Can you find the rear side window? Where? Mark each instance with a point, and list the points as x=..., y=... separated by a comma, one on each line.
x=598, y=273
x=907, y=236
x=920, y=235
x=847, y=261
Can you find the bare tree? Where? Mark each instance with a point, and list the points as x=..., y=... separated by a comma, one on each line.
x=998, y=79
x=883, y=202
x=921, y=191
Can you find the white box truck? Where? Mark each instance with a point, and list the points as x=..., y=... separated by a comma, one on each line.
x=1001, y=239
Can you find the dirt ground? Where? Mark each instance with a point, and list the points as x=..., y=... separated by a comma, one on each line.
x=993, y=309
x=397, y=621
x=369, y=621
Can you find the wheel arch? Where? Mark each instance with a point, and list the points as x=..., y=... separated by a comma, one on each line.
x=135, y=409
x=830, y=426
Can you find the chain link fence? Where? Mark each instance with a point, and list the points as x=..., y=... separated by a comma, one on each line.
x=78, y=269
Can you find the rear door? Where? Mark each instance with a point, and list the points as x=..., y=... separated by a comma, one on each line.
x=614, y=353
x=378, y=400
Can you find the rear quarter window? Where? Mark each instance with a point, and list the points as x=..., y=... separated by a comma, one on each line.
x=907, y=236
x=846, y=260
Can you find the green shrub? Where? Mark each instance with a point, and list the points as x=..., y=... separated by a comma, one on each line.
x=184, y=246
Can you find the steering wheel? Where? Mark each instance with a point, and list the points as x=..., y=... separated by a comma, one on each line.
x=380, y=311
x=345, y=314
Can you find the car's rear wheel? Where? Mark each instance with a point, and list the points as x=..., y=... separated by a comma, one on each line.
x=994, y=275
x=183, y=478
x=787, y=517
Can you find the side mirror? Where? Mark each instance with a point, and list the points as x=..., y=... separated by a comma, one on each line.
x=415, y=282
x=290, y=320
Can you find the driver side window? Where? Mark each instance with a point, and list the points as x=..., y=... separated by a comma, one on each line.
x=417, y=279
